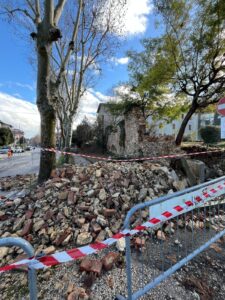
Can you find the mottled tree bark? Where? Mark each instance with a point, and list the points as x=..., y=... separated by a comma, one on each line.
x=184, y=124
x=44, y=97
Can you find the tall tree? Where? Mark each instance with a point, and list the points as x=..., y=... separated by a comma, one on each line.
x=6, y=136
x=97, y=38
x=47, y=22
x=194, y=42
x=44, y=17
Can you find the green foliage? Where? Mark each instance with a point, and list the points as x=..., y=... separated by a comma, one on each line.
x=84, y=133
x=187, y=60
x=6, y=136
x=121, y=107
x=210, y=134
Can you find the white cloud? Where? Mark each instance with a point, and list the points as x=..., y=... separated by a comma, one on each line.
x=25, y=86
x=13, y=84
x=88, y=106
x=24, y=115
x=20, y=114
x=119, y=61
x=136, y=16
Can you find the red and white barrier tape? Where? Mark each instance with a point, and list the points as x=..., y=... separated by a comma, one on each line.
x=131, y=159
x=199, y=198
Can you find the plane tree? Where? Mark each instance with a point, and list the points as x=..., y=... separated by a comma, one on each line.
x=48, y=22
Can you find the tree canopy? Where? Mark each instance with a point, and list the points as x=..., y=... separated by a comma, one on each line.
x=183, y=69
x=6, y=136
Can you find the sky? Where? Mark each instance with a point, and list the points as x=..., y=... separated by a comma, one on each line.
x=18, y=78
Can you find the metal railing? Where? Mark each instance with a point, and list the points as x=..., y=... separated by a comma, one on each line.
x=28, y=249
x=176, y=239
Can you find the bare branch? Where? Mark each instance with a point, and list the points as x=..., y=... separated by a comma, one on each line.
x=49, y=11
x=16, y=10
x=74, y=35
x=58, y=11
x=31, y=6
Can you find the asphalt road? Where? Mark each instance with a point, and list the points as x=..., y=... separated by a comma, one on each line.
x=20, y=163
x=27, y=163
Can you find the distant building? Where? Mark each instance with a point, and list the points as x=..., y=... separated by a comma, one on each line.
x=4, y=125
x=197, y=121
x=18, y=134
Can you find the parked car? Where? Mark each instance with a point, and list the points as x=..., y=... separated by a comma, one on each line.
x=4, y=150
x=17, y=150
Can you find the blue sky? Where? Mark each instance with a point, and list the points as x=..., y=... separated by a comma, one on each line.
x=18, y=78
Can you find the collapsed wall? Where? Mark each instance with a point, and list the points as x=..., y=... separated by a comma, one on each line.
x=129, y=138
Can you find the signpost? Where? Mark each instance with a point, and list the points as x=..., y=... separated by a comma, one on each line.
x=221, y=111
x=221, y=107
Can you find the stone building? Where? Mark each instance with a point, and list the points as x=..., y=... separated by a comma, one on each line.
x=4, y=125
x=18, y=134
x=129, y=134
x=126, y=135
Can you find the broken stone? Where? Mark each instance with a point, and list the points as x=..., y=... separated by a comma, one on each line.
x=109, y=212
x=96, y=266
x=102, y=194
x=121, y=245
x=216, y=248
x=139, y=242
x=71, y=198
x=27, y=227
x=101, y=236
x=84, y=238
x=37, y=226
x=102, y=221
x=96, y=227
x=160, y=235
x=109, y=260
x=61, y=237
x=142, y=194
x=3, y=252
x=19, y=224
x=49, y=250
x=86, y=264
x=98, y=173
x=78, y=294
x=63, y=195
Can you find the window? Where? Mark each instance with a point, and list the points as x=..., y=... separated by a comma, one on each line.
x=189, y=127
x=174, y=126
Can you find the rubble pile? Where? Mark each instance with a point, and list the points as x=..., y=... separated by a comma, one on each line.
x=80, y=205
x=19, y=181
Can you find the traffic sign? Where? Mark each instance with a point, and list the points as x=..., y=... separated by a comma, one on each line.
x=221, y=107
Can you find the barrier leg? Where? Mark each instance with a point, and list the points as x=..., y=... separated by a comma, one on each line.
x=28, y=249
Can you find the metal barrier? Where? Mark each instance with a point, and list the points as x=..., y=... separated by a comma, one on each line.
x=28, y=249
x=181, y=225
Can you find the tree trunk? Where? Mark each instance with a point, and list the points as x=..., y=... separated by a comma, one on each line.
x=66, y=140
x=184, y=124
x=68, y=134
x=66, y=127
x=48, y=140
x=44, y=103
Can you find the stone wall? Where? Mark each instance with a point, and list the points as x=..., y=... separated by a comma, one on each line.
x=134, y=141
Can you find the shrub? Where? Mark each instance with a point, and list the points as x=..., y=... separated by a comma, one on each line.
x=6, y=136
x=210, y=134
x=83, y=133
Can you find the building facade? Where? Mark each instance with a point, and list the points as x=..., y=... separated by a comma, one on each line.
x=161, y=127
x=4, y=125
x=18, y=134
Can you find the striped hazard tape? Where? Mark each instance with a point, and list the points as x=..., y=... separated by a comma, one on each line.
x=132, y=159
x=188, y=203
